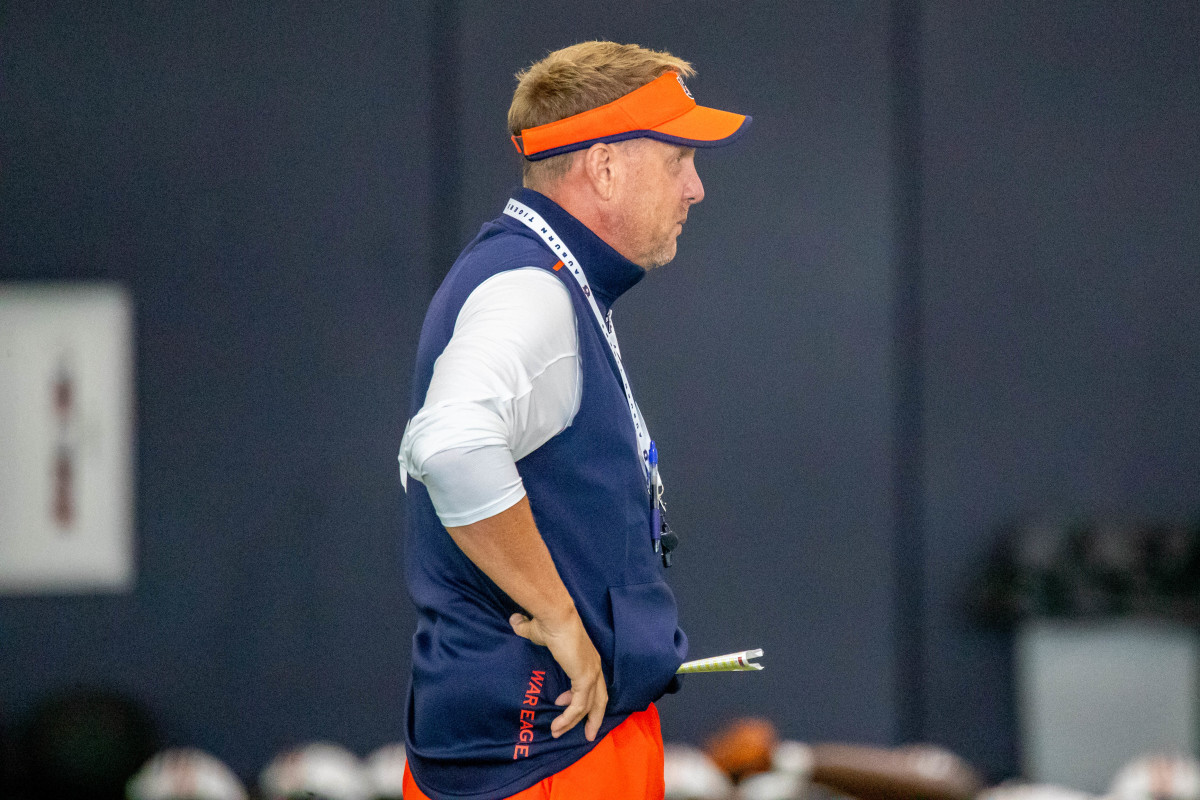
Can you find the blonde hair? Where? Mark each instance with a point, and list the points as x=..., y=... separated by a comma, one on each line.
x=577, y=79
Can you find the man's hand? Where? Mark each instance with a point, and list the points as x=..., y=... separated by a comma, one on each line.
x=510, y=551
x=571, y=647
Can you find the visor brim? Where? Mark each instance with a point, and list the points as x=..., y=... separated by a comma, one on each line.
x=705, y=127
x=715, y=129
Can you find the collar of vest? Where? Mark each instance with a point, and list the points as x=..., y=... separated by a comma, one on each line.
x=609, y=273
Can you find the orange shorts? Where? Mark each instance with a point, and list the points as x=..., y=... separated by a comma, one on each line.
x=625, y=765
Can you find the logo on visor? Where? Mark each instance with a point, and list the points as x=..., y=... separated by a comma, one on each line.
x=679, y=78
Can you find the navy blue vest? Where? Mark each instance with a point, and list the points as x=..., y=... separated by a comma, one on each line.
x=481, y=699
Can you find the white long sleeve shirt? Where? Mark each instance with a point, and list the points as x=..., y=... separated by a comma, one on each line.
x=508, y=381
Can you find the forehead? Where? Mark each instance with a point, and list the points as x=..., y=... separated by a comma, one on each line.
x=652, y=147
x=653, y=152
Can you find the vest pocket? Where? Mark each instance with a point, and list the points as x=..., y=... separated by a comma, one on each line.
x=648, y=645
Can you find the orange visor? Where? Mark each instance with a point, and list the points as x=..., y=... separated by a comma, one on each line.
x=662, y=109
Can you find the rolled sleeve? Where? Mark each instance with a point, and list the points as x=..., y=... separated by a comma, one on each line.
x=508, y=380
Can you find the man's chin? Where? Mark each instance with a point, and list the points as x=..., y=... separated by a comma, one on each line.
x=661, y=258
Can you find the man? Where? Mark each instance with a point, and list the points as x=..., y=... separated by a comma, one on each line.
x=531, y=556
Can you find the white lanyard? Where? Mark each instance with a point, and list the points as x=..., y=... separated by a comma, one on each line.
x=535, y=223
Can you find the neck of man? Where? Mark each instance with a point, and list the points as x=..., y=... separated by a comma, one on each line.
x=578, y=197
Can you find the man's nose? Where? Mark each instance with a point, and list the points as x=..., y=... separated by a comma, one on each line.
x=695, y=187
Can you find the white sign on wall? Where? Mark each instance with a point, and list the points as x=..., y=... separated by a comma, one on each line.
x=1093, y=695
x=66, y=438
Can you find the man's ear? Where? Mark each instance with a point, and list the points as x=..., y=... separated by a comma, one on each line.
x=600, y=167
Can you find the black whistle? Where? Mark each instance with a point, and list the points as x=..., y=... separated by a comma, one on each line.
x=669, y=541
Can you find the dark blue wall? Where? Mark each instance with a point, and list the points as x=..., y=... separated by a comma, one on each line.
x=255, y=174
x=281, y=186
x=1062, y=282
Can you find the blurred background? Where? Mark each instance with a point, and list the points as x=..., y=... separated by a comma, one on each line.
x=947, y=285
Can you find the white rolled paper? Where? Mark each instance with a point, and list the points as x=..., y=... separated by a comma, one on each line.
x=731, y=662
